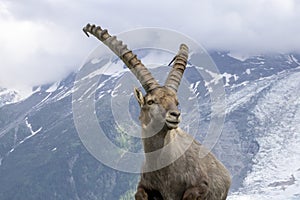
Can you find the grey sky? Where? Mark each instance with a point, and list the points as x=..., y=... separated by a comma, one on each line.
x=41, y=41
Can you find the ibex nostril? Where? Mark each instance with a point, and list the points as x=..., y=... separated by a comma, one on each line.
x=174, y=113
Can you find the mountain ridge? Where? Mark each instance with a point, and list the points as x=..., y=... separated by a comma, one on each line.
x=41, y=153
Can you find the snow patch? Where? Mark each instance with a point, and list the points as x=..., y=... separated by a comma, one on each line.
x=95, y=60
x=161, y=58
x=238, y=56
x=109, y=68
x=290, y=60
x=294, y=59
x=53, y=87
x=102, y=95
x=24, y=92
x=228, y=77
x=38, y=89
x=66, y=94
x=216, y=77
x=259, y=58
x=248, y=71
x=30, y=127
x=46, y=98
x=4, y=92
x=8, y=96
x=97, y=72
x=194, y=88
x=54, y=149
x=114, y=93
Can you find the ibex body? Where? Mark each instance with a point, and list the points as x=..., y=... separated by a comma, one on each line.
x=196, y=174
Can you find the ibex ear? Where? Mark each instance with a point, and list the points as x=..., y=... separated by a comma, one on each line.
x=139, y=96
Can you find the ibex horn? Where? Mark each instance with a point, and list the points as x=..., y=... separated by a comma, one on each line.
x=180, y=61
x=126, y=55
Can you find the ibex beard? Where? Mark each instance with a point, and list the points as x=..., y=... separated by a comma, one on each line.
x=195, y=173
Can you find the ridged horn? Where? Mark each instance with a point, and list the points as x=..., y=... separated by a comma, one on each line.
x=127, y=56
x=180, y=61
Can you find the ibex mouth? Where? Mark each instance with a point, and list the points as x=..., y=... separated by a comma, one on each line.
x=172, y=123
x=172, y=119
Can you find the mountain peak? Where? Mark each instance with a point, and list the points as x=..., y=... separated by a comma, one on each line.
x=8, y=96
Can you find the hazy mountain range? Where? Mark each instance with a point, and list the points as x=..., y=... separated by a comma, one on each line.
x=42, y=156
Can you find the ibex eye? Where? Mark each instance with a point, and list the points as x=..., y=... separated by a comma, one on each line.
x=150, y=102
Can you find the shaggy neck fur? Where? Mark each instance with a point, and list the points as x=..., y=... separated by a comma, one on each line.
x=156, y=141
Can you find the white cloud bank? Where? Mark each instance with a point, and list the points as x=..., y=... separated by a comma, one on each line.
x=41, y=41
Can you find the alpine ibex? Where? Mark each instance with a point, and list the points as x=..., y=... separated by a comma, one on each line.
x=196, y=174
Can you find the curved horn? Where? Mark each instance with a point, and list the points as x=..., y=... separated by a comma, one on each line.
x=179, y=66
x=126, y=55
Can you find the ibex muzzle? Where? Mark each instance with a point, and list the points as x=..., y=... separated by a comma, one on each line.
x=173, y=118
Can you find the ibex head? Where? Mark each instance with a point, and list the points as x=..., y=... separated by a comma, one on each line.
x=159, y=107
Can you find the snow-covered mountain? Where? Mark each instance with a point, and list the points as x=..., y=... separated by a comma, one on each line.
x=41, y=154
x=274, y=119
x=8, y=96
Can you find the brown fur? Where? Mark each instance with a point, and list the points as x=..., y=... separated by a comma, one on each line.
x=191, y=176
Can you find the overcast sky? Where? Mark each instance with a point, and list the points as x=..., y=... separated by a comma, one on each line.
x=41, y=40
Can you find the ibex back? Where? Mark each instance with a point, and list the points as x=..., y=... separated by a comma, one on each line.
x=190, y=177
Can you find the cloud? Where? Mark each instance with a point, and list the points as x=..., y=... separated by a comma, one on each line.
x=41, y=41
x=37, y=51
